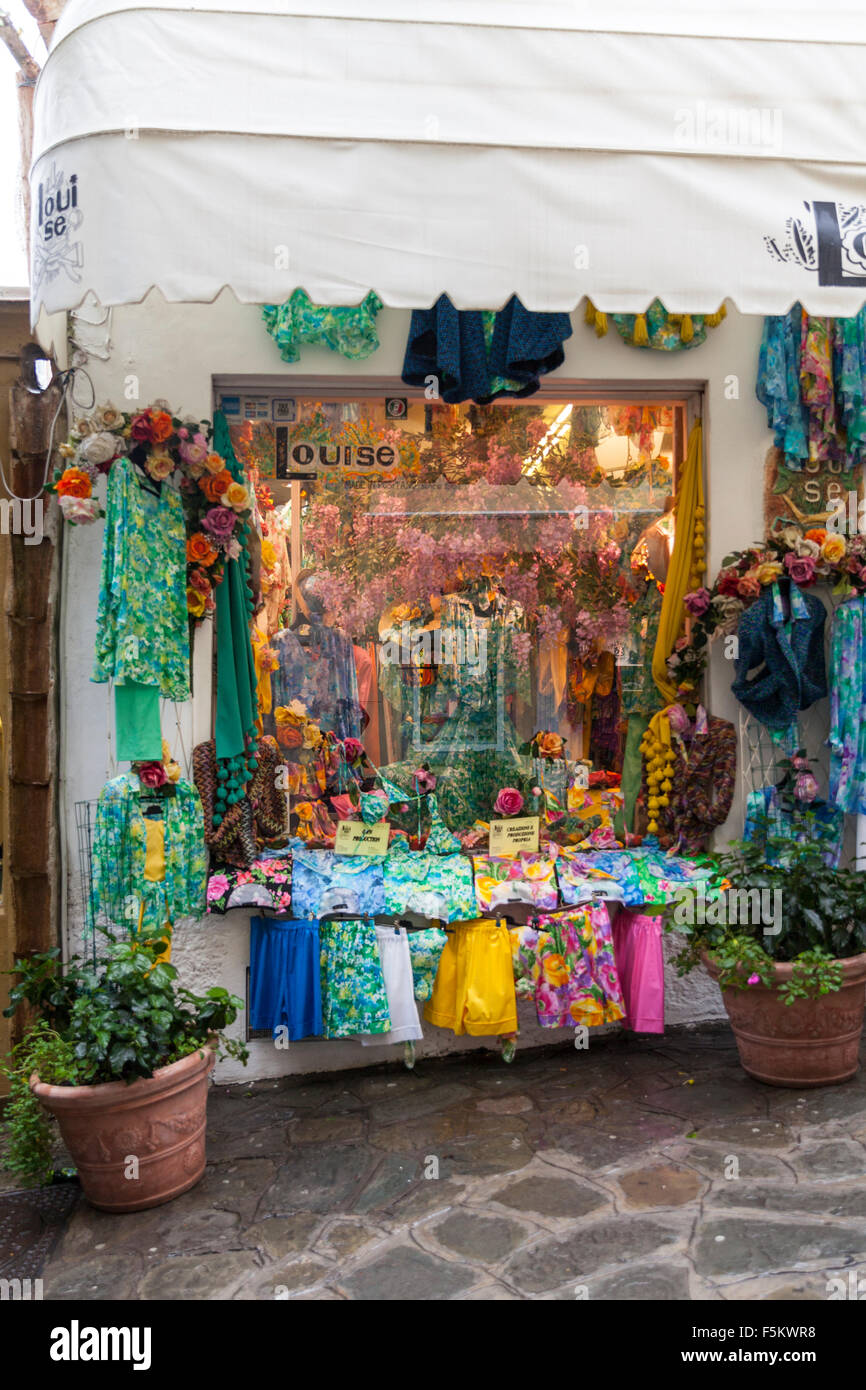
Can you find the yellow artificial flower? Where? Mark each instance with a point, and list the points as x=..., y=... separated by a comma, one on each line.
x=768, y=572
x=833, y=549
x=269, y=555
x=236, y=497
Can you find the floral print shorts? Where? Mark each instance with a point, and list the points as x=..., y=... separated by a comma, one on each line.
x=577, y=977
x=425, y=948
x=353, y=985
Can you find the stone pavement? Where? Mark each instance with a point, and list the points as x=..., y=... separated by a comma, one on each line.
x=638, y=1169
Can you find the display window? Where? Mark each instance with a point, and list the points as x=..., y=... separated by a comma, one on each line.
x=471, y=589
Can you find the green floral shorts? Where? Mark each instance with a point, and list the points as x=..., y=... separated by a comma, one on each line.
x=353, y=986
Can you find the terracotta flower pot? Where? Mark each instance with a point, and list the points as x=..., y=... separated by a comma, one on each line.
x=159, y=1121
x=812, y=1042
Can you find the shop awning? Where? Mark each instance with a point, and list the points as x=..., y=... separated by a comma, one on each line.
x=554, y=149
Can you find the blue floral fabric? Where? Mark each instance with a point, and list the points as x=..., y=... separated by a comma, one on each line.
x=142, y=624
x=323, y=882
x=816, y=822
x=479, y=356
x=349, y=330
x=119, y=887
x=322, y=675
x=848, y=706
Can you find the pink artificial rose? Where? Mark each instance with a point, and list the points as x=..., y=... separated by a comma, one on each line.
x=697, y=602
x=194, y=451
x=220, y=522
x=424, y=780
x=509, y=802
x=354, y=749
x=805, y=786
x=152, y=775
x=801, y=568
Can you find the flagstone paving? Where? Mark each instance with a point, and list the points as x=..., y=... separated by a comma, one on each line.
x=639, y=1169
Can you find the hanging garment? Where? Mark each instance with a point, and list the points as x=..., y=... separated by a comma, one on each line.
x=349, y=330
x=285, y=977
x=137, y=726
x=778, y=385
x=637, y=948
x=323, y=882
x=701, y=780
x=321, y=674
x=848, y=706
x=265, y=883
x=780, y=667
x=662, y=877
x=474, y=989
x=522, y=878
x=397, y=971
x=481, y=355
x=354, y=999
x=260, y=814
x=154, y=872
x=425, y=949
x=436, y=886
x=583, y=873
x=236, y=686
x=142, y=632
x=122, y=894
x=578, y=984
x=769, y=815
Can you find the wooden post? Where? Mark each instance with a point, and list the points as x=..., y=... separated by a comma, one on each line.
x=32, y=858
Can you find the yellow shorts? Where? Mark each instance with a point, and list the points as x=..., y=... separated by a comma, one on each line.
x=474, y=988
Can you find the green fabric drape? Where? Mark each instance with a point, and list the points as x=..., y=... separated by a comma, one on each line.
x=136, y=723
x=236, y=701
x=631, y=771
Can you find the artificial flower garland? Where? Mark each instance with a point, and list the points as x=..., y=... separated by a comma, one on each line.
x=809, y=557
x=217, y=506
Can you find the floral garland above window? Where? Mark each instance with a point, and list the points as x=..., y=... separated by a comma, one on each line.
x=163, y=446
x=806, y=558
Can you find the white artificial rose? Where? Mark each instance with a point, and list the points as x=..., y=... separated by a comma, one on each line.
x=99, y=448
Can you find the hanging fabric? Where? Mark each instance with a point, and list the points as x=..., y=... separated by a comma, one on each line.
x=687, y=562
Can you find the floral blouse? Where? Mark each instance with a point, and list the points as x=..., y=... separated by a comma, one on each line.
x=436, y=886
x=323, y=882
x=119, y=886
x=525, y=878
x=266, y=883
x=142, y=632
x=349, y=330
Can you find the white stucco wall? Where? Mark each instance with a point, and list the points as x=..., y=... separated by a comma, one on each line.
x=174, y=351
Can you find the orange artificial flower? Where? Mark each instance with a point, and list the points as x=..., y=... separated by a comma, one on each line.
x=214, y=485
x=214, y=463
x=199, y=550
x=74, y=482
x=161, y=427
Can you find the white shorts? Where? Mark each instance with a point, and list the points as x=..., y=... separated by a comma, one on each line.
x=399, y=987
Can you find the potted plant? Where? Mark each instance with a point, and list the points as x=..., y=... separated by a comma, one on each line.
x=786, y=941
x=120, y=1057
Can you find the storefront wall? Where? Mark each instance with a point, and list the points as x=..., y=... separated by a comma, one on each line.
x=174, y=351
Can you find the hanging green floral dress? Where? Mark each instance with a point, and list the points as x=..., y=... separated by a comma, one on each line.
x=142, y=632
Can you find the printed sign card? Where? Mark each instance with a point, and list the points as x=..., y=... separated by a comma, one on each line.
x=514, y=836
x=354, y=837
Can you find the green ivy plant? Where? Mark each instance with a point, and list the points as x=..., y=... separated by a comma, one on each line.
x=822, y=919
x=119, y=1020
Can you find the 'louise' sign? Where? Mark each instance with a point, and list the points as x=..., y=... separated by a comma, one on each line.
x=303, y=458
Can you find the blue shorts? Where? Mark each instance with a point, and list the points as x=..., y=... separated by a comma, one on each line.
x=285, y=978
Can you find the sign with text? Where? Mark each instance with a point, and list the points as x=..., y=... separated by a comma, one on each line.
x=512, y=836
x=354, y=837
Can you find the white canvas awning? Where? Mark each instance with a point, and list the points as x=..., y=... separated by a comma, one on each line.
x=553, y=149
